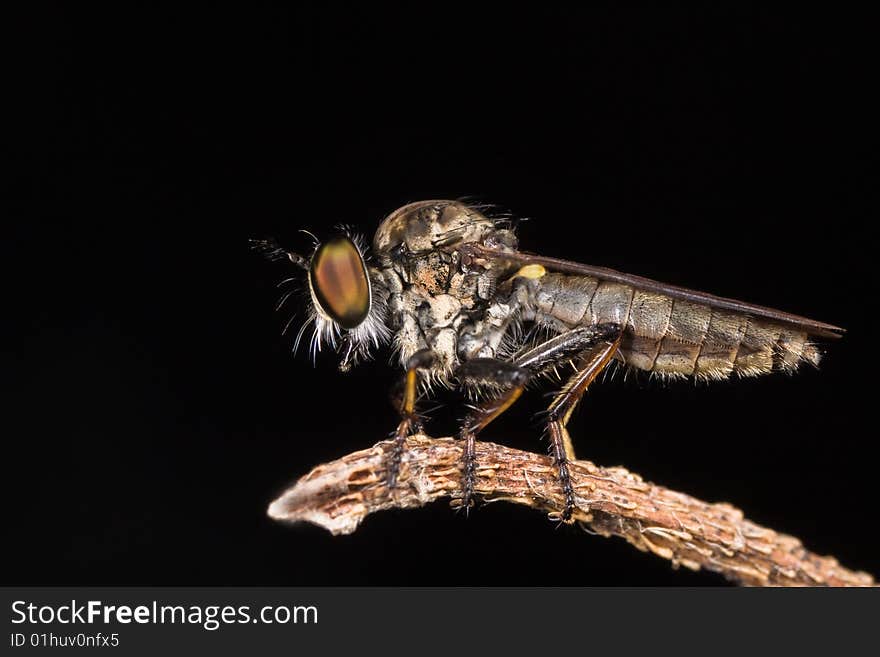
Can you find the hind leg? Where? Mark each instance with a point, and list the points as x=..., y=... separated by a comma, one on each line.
x=593, y=362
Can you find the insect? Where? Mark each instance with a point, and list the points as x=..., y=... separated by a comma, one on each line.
x=463, y=307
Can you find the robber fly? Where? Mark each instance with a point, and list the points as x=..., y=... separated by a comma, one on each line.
x=464, y=307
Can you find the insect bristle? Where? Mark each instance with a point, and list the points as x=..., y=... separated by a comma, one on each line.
x=269, y=249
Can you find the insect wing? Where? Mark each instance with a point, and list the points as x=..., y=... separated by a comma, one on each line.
x=811, y=326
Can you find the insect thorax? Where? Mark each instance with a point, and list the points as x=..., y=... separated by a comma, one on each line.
x=437, y=298
x=434, y=301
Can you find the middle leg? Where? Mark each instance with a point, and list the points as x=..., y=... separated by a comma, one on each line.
x=496, y=374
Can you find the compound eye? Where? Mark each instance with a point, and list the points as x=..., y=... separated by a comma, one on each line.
x=339, y=283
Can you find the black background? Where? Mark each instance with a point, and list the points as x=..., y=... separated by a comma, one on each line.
x=155, y=410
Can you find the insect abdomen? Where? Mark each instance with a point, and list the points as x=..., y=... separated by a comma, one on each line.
x=671, y=336
x=706, y=342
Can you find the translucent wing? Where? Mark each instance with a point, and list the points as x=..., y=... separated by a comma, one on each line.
x=811, y=326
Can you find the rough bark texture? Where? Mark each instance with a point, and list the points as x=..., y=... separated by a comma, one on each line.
x=610, y=502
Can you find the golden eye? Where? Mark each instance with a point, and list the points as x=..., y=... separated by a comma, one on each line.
x=339, y=283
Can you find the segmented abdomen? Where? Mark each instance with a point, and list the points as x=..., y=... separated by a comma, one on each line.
x=671, y=336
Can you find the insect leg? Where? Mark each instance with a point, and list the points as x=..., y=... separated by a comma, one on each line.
x=493, y=373
x=512, y=378
x=566, y=345
x=593, y=361
x=404, y=399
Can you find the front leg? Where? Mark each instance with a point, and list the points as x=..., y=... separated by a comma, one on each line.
x=404, y=399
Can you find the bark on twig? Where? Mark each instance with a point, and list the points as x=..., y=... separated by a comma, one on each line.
x=610, y=502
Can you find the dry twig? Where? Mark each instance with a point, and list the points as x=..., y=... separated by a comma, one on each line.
x=610, y=502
